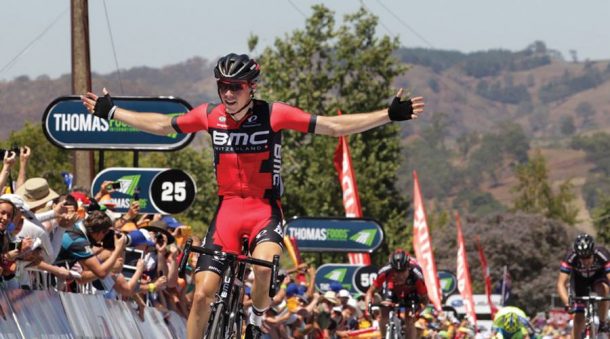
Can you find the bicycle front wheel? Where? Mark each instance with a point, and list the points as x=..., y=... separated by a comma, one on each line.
x=217, y=329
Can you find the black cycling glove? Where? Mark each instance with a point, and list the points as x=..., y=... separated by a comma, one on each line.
x=104, y=107
x=400, y=110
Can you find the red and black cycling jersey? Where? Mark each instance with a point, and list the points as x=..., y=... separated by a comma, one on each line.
x=601, y=264
x=387, y=281
x=247, y=153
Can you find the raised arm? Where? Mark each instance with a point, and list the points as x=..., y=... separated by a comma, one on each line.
x=24, y=157
x=104, y=107
x=7, y=163
x=399, y=110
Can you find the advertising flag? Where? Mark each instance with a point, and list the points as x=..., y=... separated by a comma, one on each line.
x=463, y=273
x=486, y=276
x=423, y=247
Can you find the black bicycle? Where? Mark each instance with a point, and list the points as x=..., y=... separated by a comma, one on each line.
x=227, y=310
x=394, y=328
x=590, y=302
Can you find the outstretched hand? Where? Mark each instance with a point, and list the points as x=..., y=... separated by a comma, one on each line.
x=400, y=110
x=101, y=107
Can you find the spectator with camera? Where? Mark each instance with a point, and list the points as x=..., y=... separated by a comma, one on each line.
x=76, y=246
x=39, y=251
x=9, y=254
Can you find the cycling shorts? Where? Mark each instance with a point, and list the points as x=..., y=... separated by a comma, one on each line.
x=258, y=219
x=582, y=287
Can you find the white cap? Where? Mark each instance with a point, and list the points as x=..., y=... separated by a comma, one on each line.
x=343, y=294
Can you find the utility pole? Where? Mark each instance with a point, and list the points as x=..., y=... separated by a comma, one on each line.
x=83, y=161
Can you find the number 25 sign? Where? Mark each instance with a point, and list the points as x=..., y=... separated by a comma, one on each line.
x=159, y=190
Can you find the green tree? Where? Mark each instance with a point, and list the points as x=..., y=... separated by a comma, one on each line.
x=322, y=68
x=601, y=219
x=428, y=154
x=536, y=196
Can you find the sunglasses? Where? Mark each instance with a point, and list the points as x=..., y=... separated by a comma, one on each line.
x=231, y=86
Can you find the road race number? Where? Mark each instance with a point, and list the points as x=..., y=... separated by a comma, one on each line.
x=172, y=191
x=364, y=277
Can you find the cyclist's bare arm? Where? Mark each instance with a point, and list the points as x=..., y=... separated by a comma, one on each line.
x=369, y=294
x=355, y=123
x=155, y=123
x=350, y=123
x=562, y=287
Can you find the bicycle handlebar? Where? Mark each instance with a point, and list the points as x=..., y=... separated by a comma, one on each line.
x=590, y=298
x=273, y=265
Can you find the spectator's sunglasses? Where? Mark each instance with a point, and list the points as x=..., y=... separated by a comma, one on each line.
x=234, y=87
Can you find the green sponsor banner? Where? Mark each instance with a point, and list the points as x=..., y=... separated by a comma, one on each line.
x=335, y=234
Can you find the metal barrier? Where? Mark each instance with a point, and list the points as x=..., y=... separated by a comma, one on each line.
x=35, y=314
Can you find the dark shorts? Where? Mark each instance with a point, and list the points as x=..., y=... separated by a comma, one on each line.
x=582, y=286
x=258, y=219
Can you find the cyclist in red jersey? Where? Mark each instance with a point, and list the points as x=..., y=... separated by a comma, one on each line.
x=401, y=281
x=246, y=137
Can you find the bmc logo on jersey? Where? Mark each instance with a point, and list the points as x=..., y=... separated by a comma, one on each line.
x=227, y=138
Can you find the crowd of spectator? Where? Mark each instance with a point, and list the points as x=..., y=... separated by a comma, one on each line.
x=75, y=242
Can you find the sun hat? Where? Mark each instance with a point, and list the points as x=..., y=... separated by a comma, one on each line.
x=331, y=297
x=36, y=192
x=160, y=226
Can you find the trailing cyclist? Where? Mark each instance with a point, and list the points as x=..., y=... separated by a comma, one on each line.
x=401, y=282
x=246, y=138
x=587, y=268
x=510, y=323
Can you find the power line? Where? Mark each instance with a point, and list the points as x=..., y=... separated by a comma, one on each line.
x=380, y=22
x=405, y=24
x=116, y=60
x=29, y=45
x=296, y=8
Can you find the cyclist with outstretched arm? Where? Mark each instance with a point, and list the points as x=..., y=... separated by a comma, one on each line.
x=246, y=138
x=401, y=281
x=587, y=268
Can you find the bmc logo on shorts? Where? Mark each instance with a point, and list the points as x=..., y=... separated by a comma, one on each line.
x=222, y=138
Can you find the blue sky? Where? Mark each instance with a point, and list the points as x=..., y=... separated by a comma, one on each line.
x=156, y=33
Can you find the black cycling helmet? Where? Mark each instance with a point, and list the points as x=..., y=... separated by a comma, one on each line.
x=584, y=245
x=399, y=260
x=234, y=67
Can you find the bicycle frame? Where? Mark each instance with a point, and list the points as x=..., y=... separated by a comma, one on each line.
x=227, y=310
x=590, y=313
x=394, y=325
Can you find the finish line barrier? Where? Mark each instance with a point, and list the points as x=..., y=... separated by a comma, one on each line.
x=32, y=314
